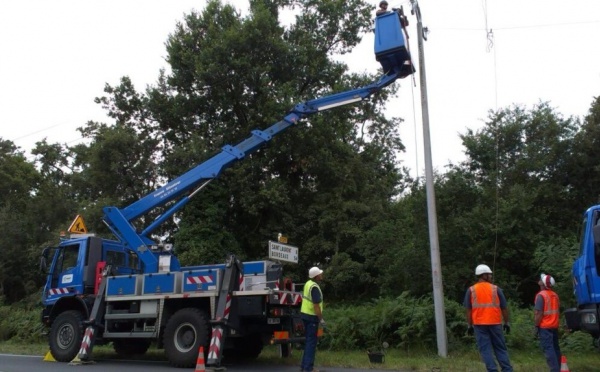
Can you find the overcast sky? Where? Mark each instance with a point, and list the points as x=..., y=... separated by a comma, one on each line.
x=56, y=56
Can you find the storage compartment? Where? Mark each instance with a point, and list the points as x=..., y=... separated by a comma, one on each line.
x=255, y=276
x=250, y=305
x=162, y=283
x=126, y=285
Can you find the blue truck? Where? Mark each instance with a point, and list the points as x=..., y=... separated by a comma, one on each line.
x=132, y=291
x=586, y=278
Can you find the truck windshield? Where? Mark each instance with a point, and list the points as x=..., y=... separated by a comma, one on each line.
x=68, y=258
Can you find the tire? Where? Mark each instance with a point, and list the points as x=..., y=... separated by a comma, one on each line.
x=185, y=332
x=251, y=348
x=131, y=347
x=245, y=348
x=66, y=334
x=285, y=350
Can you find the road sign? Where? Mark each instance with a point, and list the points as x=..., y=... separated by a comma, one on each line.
x=78, y=226
x=282, y=239
x=283, y=252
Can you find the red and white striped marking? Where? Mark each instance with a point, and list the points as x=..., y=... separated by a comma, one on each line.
x=215, y=343
x=56, y=291
x=241, y=282
x=227, y=306
x=217, y=333
x=200, y=279
x=86, y=342
x=291, y=299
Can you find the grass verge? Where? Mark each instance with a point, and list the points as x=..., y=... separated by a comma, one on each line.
x=395, y=360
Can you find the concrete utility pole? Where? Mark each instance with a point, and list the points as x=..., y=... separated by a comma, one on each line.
x=436, y=269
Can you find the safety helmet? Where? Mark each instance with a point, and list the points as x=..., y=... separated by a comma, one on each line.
x=314, y=271
x=383, y=2
x=482, y=269
x=547, y=280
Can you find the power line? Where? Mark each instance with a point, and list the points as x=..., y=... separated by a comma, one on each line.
x=37, y=131
x=516, y=27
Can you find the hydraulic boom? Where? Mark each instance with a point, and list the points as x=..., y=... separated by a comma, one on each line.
x=396, y=63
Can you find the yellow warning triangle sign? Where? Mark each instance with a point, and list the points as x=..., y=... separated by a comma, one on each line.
x=78, y=226
x=49, y=357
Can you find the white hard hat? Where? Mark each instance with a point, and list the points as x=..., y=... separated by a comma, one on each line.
x=482, y=269
x=547, y=280
x=314, y=271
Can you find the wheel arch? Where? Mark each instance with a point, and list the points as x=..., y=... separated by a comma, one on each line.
x=68, y=303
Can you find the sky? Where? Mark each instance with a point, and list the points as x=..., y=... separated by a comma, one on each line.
x=57, y=56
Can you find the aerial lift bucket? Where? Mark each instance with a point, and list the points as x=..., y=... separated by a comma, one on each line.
x=391, y=48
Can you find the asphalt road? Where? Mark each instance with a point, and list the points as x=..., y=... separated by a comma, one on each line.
x=28, y=363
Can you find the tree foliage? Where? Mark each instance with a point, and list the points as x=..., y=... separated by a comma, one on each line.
x=332, y=184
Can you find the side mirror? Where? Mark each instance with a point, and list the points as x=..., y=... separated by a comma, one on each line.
x=43, y=260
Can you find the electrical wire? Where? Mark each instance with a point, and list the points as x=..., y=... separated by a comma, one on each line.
x=412, y=91
x=517, y=27
x=37, y=131
x=490, y=48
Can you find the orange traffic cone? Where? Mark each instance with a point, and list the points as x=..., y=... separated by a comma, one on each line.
x=563, y=364
x=200, y=362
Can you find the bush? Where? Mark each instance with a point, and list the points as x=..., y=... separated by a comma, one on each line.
x=403, y=322
x=409, y=323
x=576, y=342
x=522, y=335
x=21, y=321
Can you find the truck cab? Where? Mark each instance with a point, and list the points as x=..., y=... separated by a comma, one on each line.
x=586, y=277
x=74, y=264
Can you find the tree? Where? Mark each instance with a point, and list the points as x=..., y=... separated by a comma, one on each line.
x=324, y=185
x=518, y=165
x=584, y=169
x=121, y=163
x=19, y=182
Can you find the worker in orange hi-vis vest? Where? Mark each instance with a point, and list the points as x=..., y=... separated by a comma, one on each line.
x=546, y=317
x=485, y=308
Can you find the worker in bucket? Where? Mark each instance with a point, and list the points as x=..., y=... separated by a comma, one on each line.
x=312, y=316
x=485, y=308
x=383, y=5
x=546, y=317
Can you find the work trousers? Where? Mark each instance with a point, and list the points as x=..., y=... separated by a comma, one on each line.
x=549, y=344
x=490, y=342
x=311, y=328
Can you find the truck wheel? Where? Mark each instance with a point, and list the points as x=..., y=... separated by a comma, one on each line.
x=66, y=334
x=185, y=332
x=252, y=347
x=285, y=350
x=131, y=347
x=244, y=348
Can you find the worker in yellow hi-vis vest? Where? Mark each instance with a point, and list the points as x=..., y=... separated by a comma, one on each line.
x=312, y=317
